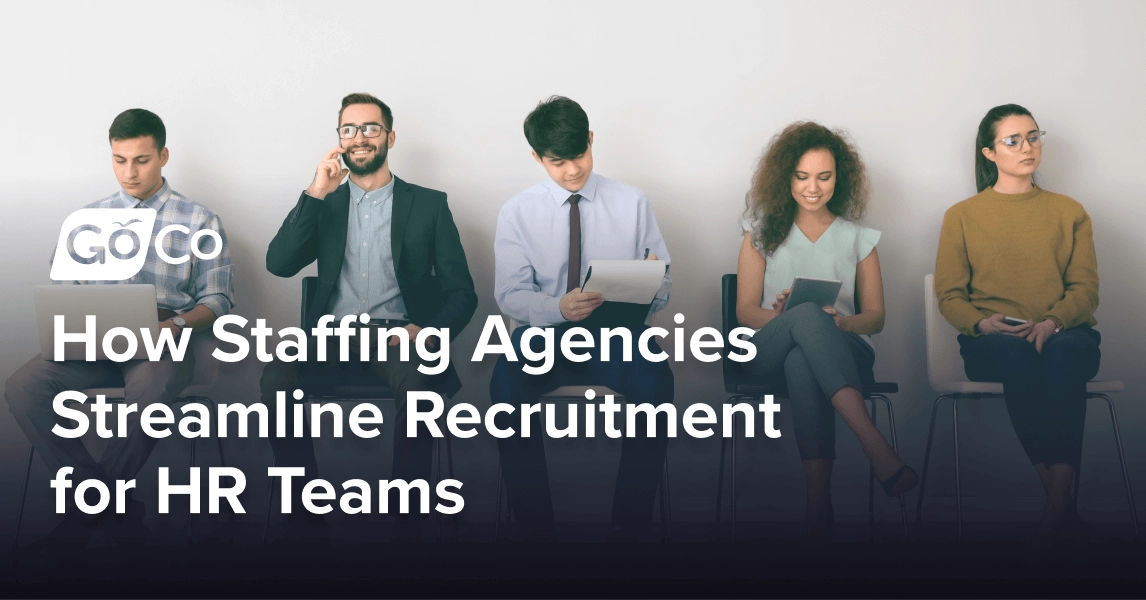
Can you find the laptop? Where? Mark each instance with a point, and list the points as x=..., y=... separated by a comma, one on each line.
x=131, y=306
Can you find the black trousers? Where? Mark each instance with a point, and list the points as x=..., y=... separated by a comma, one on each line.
x=523, y=458
x=412, y=456
x=1045, y=393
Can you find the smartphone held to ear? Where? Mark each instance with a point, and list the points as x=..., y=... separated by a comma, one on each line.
x=1013, y=322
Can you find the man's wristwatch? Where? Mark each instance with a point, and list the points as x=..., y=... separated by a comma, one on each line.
x=180, y=322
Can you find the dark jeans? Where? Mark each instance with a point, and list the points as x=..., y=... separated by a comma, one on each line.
x=1045, y=393
x=523, y=458
x=804, y=350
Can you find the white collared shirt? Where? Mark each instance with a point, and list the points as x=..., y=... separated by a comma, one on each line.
x=531, y=246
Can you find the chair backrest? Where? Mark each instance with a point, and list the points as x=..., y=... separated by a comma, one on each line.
x=309, y=289
x=732, y=369
x=944, y=363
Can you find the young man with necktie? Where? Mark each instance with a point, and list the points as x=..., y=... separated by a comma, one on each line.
x=546, y=236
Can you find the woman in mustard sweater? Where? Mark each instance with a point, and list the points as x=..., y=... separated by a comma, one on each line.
x=1015, y=250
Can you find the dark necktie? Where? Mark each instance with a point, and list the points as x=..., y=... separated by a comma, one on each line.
x=574, y=244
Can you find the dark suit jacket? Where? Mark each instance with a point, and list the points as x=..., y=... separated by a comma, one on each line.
x=429, y=260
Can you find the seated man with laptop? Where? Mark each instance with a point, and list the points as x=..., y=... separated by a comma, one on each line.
x=546, y=237
x=191, y=294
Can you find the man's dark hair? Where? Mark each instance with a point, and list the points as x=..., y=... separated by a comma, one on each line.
x=387, y=116
x=558, y=128
x=138, y=122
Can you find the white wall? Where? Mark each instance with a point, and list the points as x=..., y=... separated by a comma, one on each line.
x=682, y=97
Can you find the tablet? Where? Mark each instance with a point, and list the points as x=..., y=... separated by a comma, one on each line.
x=821, y=292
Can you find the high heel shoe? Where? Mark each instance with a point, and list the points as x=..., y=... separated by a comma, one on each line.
x=901, y=482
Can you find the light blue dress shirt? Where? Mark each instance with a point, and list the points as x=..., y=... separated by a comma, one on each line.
x=368, y=282
x=531, y=246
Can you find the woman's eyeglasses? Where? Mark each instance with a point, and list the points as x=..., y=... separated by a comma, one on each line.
x=1015, y=142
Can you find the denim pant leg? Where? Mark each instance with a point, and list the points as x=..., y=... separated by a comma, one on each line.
x=1045, y=393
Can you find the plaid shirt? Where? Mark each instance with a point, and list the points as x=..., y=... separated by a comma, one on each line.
x=180, y=287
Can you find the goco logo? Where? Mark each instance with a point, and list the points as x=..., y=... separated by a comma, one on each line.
x=110, y=244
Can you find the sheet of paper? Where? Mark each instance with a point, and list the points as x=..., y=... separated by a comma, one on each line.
x=636, y=281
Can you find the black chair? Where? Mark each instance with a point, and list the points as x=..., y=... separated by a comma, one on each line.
x=744, y=386
x=349, y=381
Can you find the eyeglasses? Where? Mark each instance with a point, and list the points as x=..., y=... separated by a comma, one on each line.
x=1015, y=142
x=370, y=130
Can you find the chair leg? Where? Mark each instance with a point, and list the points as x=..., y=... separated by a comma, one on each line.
x=895, y=446
x=720, y=483
x=1076, y=484
x=1122, y=463
x=436, y=476
x=23, y=498
x=732, y=485
x=223, y=463
x=668, y=498
x=958, y=479
x=190, y=520
x=666, y=504
x=926, y=463
x=497, y=512
x=270, y=499
x=871, y=482
x=450, y=470
x=660, y=500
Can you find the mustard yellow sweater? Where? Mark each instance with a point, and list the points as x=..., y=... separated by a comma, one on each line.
x=1027, y=255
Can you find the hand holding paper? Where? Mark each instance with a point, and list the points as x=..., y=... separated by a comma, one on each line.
x=632, y=281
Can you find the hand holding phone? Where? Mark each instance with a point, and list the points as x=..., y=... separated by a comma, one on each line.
x=1002, y=324
x=328, y=176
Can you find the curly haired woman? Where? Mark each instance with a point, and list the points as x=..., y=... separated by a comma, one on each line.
x=808, y=190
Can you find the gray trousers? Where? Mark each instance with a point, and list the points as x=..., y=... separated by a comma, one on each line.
x=31, y=389
x=804, y=350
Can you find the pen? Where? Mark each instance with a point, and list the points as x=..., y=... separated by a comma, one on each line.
x=646, y=253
